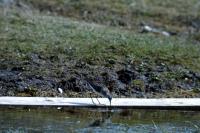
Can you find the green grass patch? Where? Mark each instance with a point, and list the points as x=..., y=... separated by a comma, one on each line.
x=95, y=44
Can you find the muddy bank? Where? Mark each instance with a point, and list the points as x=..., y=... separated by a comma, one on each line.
x=41, y=53
x=43, y=77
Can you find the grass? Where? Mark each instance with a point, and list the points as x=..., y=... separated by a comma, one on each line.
x=122, y=6
x=173, y=16
x=60, y=40
x=59, y=36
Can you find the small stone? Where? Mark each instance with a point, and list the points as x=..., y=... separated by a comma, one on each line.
x=111, y=61
x=163, y=64
x=59, y=108
x=165, y=33
x=60, y=90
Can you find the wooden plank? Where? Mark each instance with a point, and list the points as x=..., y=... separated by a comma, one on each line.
x=104, y=102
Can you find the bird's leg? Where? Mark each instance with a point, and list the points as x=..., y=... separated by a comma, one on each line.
x=92, y=99
x=98, y=100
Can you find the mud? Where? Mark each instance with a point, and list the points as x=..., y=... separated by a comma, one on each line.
x=43, y=77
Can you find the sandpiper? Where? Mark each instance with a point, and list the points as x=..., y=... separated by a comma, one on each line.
x=99, y=89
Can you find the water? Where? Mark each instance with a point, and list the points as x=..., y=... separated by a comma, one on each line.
x=51, y=120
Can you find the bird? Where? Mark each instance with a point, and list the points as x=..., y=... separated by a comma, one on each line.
x=99, y=89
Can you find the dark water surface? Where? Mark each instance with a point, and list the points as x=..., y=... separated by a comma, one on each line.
x=51, y=120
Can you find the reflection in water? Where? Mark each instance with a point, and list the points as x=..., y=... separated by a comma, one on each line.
x=93, y=120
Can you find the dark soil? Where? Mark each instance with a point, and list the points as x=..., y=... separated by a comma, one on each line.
x=38, y=77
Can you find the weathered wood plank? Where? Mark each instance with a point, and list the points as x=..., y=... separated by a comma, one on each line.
x=104, y=102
